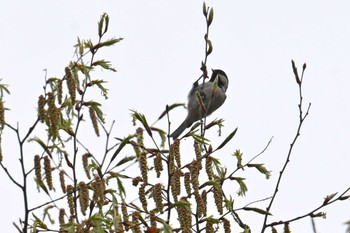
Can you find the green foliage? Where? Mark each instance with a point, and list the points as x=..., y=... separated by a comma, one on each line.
x=177, y=190
x=3, y=88
x=62, y=110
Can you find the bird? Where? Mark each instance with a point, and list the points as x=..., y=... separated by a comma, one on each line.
x=213, y=95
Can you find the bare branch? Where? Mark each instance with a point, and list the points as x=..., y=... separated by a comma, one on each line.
x=302, y=118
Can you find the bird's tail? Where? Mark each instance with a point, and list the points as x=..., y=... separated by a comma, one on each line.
x=179, y=130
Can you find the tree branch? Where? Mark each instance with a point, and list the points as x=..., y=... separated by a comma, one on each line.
x=302, y=118
x=313, y=213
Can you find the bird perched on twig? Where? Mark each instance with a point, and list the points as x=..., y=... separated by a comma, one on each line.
x=204, y=99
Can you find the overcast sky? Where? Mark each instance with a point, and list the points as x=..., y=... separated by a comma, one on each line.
x=158, y=60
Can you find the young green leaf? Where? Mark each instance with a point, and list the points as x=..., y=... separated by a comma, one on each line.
x=343, y=198
x=257, y=210
x=261, y=168
x=140, y=117
x=42, y=144
x=39, y=222
x=205, y=10
x=319, y=214
x=329, y=198
x=42, y=186
x=100, y=25
x=96, y=107
x=246, y=229
x=121, y=146
x=229, y=204
x=121, y=187
x=125, y=160
x=211, y=16
x=104, y=64
x=104, y=91
x=238, y=154
x=106, y=23
x=229, y=137
x=171, y=107
x=3, y=87
x=109, y=42
x=166, y=227
x=242, y=186
x=295, y=71
x=211, y=220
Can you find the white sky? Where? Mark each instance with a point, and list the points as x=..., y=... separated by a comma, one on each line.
x=159, y=59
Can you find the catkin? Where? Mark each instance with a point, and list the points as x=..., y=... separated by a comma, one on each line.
x=157, y=196
x=142, y=197
x=187, y=181
x=194, y=175
x=200, y=205
x=125, y=215
x=227, y=225
x=71, y=84
x=152, y=217
x=171, y=159
x=197, y=151
x=37, y=168
x=136, y=180
x=208, y=167
x=99, y=191
x=62, y=181
x=50, y=99
x=139, y=133
x=41, y=108
x=83, y=197
x=94, y=121
x=209, y=227
x=204, y=201
x=61, y=216
x=286, y=228
x=217, y=190
x=158, y=165
x=273, y=230
x=48, y=172
x=144, y=167
x=184, y=215
x=70, y=199
x=175, y=183
x=59, y=91
x=176, y=151
x=2, y=114
x=136, y=224
x=85, y=159
x=54, y=116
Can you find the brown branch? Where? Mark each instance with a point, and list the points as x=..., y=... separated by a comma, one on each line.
x=302, y=118
x=313, y=213
x=11, y=177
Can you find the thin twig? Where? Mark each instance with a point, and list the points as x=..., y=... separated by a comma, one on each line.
x=29, y=131
x=168, y=167
x=108, y=134
x=313, y=225
x=302, y=117
x=312, y=213
x=251, y=160
x=261, y=152
x=10, y=176
x=49, y=202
